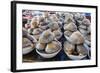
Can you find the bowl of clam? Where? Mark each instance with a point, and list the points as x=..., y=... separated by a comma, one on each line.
x=28, y=42
x=77, y=34
x=48, y=46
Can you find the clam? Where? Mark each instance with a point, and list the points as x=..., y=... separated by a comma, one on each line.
x=82, y=50
x=37, y=31
x=27, y=46
x=26, y=42
x=71, y=27
x=46, y=14
x=54, y=17
x=46, y=37
x=76, y=38
x=82, y=27
x=68, y=33
x=34, y=23
x=53, y=26
x=57, y=34
x=40, y=46
x=69, y=18
x=24, y=32
x=86, y=22
x=69, y=48
x=52, y=47
x=79, y=16
x=83, y=31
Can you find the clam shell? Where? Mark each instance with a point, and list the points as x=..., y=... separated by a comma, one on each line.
x=83, y=31
x=82, y=50
x=78, y=16
x=40, y=46
x=69, y=18
x=68, y=33
x=26, y=42
x=57, y=34
x=37, y=36
x=34, y=23
x=88, y=37
x=53, y=25
x=37, y=31
x=27, y=50
x=79, y=22
x=46, y=37
x=54, y=17
x=76, y=38
x=86, y=22
x=88, y=42
x=69, y=48
x=52, y=47
x=83, y=27
x=60, y=23
x=27, y=46
x=70, y=27
x=24, y=32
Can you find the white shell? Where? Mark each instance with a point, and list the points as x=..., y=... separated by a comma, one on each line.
x=76, y=38
x=46, y=37
x=40, y=46
x=27, y=50
x=70, y=27
x=68, y=18
x=52, y=47
x=86, y=22
x=53, y=25
x=37, y=36
x=68, y=47
x=83, y=27
x=34, y=22
x=83, y=31
x=68, y=33
x=82, y=50
x=79, y=16
x=57, y=34
x=37, y=31
x=26, y=46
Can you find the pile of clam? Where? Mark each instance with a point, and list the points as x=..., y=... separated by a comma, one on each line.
x=46, y=30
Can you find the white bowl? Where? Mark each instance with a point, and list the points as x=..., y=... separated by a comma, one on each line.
x=26, y=50
x=77, y=57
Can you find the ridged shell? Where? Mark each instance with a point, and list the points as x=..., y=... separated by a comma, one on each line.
x=52, y=47
x=70, y=27
x=40, y=46
x=82, y=50
x=46, y=37
x=57, y=34
x=77, y=38
x=69, y=48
